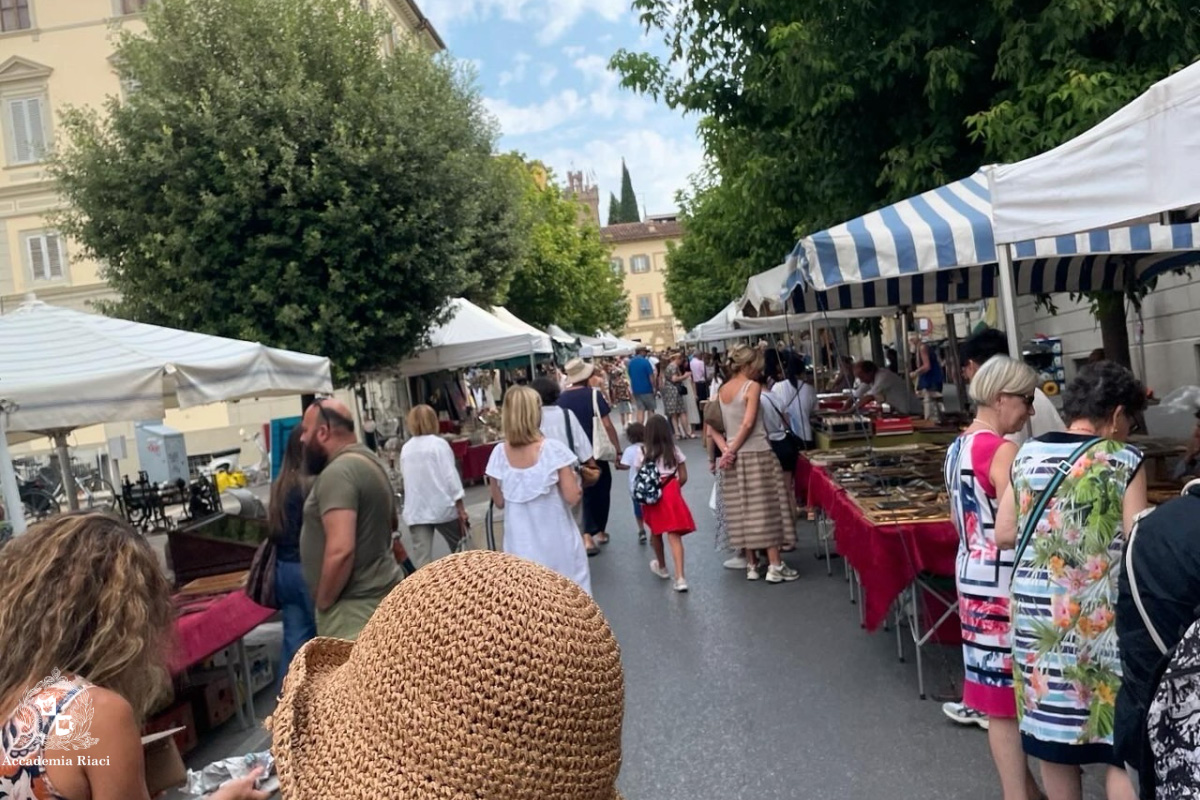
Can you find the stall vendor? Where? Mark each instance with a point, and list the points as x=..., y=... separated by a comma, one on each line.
x=883, y=386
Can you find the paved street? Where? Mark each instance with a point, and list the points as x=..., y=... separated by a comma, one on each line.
x=752, y=690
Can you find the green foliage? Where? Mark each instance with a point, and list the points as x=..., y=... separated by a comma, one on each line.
x=629, y=204
x=614, y=209
x=814, y=112
x=275, y=177
x=565, y=277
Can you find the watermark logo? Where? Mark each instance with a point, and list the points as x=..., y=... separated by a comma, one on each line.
x=51, y=729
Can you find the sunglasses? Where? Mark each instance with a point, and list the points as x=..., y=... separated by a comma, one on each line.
x=1028, y=398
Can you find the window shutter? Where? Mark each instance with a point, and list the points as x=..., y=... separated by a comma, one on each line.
x=54, y=256
x=37, y=258
x=29, y=134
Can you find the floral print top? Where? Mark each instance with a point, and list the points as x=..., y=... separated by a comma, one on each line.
x=1064, y=592
x=56, y=714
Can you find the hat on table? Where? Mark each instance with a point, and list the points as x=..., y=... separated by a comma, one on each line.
x=480, y=675
x=578, y=370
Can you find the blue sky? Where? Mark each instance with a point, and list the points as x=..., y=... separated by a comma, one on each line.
x=542, y=68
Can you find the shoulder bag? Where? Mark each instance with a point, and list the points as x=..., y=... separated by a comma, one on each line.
x=589, y=473
x=1035, y=513
x=260, y=582
x=602, y=446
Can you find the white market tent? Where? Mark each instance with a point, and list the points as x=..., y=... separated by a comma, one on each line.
x=504, y=315
x=65, y=369
x=473, y=336
x=1132, y=165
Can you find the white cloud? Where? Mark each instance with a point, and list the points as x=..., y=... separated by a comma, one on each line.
x=574, y=50
x=594, y=69
x=553, y=18
x=548, y=73
x=517, y=73
x=537, y=117
x=659, y=165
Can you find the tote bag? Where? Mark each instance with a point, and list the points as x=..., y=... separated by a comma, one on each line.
x=602, y=446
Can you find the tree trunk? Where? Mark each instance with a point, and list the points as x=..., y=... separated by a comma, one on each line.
x=1114, y=327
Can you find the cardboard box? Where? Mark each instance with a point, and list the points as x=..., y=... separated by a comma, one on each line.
x=216, y=702
x=179, y=718
x=164, y=765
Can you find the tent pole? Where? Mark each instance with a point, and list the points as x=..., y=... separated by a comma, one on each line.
x=960, y=381
x=64, y=467
x=812, y=346
x=15, y=510
x=1008, y=300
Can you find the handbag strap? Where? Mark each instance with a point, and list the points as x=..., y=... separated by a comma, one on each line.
x=1060, y=474
x=570, y=435
x=1133, y=586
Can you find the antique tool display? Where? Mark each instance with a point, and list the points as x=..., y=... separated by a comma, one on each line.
x=892, y=485
x=842, y=426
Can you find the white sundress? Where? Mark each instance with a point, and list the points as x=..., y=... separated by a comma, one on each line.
x=537, y=520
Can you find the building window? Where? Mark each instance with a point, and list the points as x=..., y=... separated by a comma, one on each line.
x=26, y=136
x=618, y=266
x=639, y=264
x=14, y=15
x=46, y=255
x=645, y=306
x=133, y=6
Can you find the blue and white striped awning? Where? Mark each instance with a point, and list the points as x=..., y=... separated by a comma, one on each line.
x=938, y=247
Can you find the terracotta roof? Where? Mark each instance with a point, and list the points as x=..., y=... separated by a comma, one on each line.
x=634, y=231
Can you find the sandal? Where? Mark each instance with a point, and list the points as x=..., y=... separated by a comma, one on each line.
x=593, y=551
x=642, y=538
x=600, y=538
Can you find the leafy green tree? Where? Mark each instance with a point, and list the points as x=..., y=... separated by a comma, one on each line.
x=277, y=177
x=565, y=277
x=629, y=203
x=813, y=112
x=614, y=209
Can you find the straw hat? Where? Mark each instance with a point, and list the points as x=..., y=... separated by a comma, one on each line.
x=578, y=370
x=481, y=675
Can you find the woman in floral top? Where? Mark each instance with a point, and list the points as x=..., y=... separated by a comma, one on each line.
x=1066, y=666
x=622, y=395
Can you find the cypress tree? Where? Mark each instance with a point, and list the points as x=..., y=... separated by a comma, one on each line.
x=629, y=204
x=614, y=209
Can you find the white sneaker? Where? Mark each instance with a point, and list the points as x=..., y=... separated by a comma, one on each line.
x=778, y=573
x=658, y=570
x=752, y=572
x=681, y=585
x=737, y=562
x=965, y=716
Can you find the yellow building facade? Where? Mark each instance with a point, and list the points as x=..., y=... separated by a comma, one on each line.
x=639, y=255
x=58, y=53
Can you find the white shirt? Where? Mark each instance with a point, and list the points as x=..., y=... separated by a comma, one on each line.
x=890, y=388
x=1045, y=419
x=432, y=484
x=631, y=456
x=799, y=403
x=699, y=375
x=773, y=416
x=554, y=426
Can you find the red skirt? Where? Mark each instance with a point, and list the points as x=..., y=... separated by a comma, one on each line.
x=670, y=514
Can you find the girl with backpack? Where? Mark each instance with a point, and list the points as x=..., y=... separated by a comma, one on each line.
x=660, y=472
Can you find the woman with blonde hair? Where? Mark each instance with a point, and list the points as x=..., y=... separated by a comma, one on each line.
x=534, y=480
x=86, y=619
x=757, y=514
x=433, y=490
x=977, y=472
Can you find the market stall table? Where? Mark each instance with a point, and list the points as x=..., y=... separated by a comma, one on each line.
x=889, y=559
x=474, y=462
x=209, y=625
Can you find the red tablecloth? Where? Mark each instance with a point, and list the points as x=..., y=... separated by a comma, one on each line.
x=475, y=461
x=887, y=557
x=200, y=634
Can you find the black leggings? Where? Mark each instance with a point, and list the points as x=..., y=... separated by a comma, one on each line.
x=596, y=500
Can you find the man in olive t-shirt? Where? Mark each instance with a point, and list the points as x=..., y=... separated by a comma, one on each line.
x=349, y=516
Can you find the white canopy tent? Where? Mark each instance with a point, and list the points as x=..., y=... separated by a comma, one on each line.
x=1132, y=165
x=62, y=369
x=767, y=292
x=474, y=336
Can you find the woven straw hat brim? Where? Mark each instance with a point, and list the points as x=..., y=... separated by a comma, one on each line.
x=481, y=675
